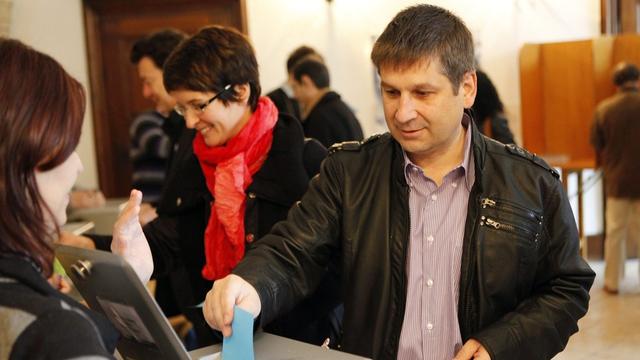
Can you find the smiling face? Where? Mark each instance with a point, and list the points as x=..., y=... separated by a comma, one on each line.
x=153, y=86
x=421, y=108
x=217, y=122
x=55, y=185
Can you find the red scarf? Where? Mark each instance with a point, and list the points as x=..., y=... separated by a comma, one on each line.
x=228, y=170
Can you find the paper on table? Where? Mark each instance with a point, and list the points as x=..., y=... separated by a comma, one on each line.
x=239, y=346
x=215, y=356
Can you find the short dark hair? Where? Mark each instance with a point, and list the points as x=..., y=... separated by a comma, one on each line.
x=41, y=113
x=424, y=32
x=315, y=70
x=157, y=46
x=625, y=72
x=210, y=60
x=487, y=103
x=299, y=54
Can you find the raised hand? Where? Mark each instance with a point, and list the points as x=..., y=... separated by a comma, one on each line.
x=227, y=292
x=129, y=240
x=69, y=239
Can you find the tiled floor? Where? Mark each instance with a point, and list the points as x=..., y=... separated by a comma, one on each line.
x=611, y=328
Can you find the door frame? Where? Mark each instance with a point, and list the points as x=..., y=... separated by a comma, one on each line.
x=94, y=12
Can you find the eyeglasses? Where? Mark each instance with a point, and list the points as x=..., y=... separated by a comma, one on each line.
x=199, y=108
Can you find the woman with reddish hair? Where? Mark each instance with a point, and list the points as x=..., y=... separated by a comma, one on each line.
x=41, y=112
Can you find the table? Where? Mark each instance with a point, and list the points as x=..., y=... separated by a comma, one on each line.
x=272, y=347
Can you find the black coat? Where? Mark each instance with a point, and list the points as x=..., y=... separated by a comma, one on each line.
x=332, y=121
x=499, y=129
x=284, y=103
x=523, y=285
x=176, y=237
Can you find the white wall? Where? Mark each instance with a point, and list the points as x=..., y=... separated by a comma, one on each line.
x=56, y=27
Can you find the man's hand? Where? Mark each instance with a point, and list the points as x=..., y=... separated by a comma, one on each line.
x=147, y=213
x=82, y=199
x=69, y=239
x=472, y=349
x=227, y=292
x=129, y=240
x=58, y=282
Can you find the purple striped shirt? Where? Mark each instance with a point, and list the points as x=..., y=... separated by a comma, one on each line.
x=430, y=329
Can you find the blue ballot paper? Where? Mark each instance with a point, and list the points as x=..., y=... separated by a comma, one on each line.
x=239, y=346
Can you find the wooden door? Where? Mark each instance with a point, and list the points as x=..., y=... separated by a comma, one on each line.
x=116, y=92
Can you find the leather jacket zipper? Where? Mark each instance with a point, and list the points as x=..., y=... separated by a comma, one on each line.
x=511, y=208
x=509, y=227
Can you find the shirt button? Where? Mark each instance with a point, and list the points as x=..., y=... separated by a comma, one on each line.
x=430, y=239
x=178, y=201
x=249, y=237
x=434, y=197
x=429, y=283
x=252, y=195
x=429, y=326
x=454, y=184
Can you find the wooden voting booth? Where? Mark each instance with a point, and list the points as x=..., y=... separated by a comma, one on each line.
x=561, y=85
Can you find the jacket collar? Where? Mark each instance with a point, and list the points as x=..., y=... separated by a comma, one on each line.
x=479, y=149
x=24, y=270
x=467, y=163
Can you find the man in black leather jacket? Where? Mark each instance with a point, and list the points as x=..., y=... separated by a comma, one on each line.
x=522, y=285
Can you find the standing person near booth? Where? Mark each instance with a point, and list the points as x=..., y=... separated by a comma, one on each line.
x=41, y=113
x=614, y=135
x=451, y=244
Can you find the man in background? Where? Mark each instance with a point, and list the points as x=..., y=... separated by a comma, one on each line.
x=615, y=136
x=155, y=137
x=489, y=111
x=325, y=116
x=283, y=97
x=152, y=131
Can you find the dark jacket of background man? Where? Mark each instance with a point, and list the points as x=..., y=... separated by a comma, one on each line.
x=328, y=119
x=332, y=121
x=616, y=138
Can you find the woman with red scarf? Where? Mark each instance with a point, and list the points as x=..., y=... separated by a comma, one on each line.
x=250, y=168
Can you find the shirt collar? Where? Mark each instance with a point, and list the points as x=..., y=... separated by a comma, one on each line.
x=287, y=89
x=467, y=163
